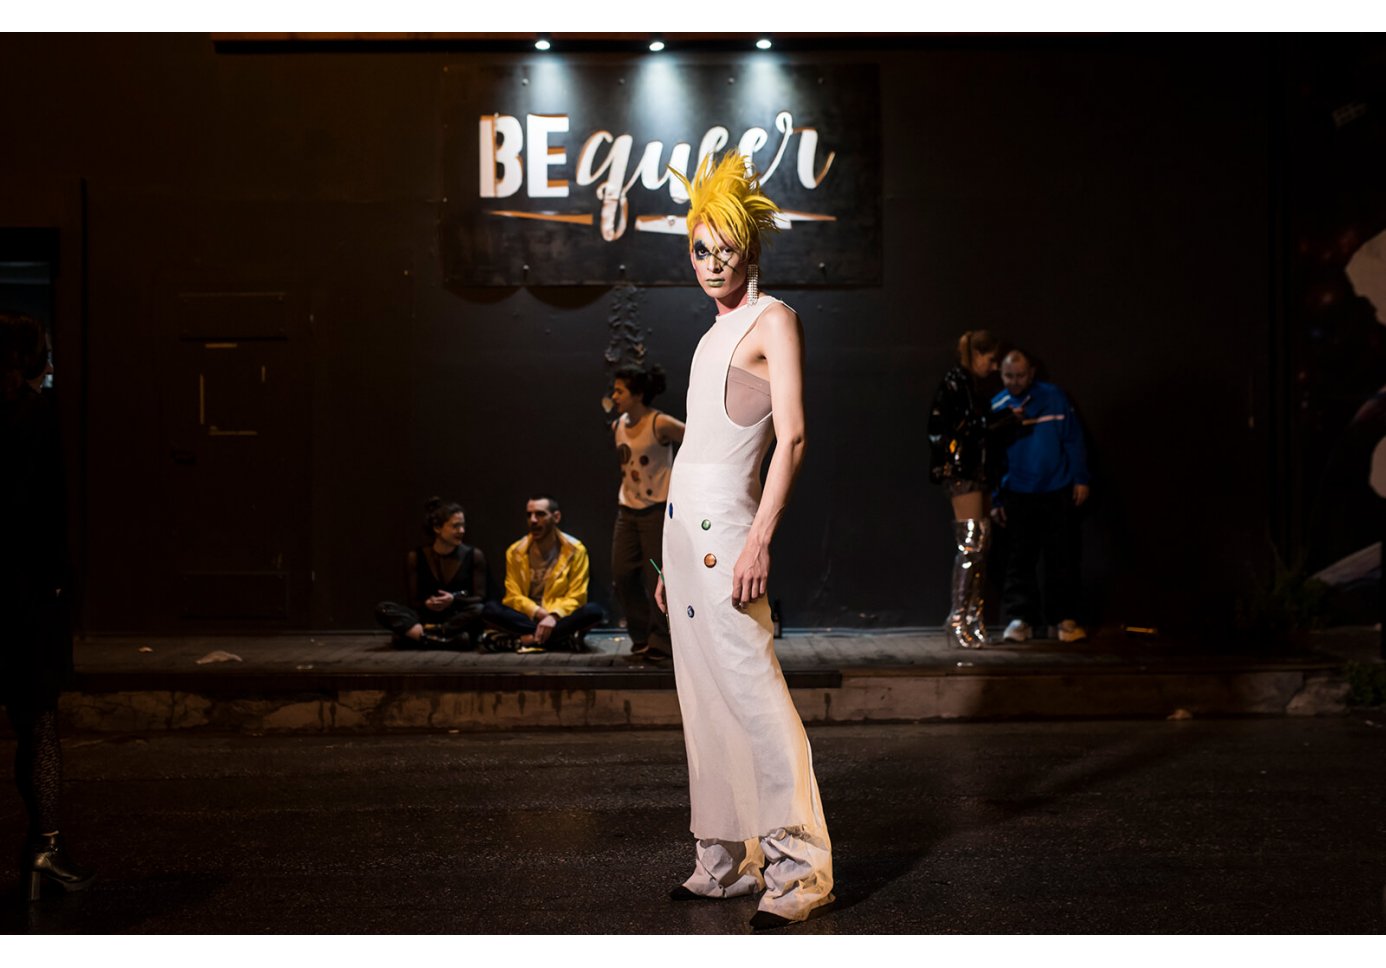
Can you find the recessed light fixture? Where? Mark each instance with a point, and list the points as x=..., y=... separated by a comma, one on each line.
x=763, y=43
x=656, y=43
x=542, y=43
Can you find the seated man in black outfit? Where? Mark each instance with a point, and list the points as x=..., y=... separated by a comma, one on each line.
x=447, y=586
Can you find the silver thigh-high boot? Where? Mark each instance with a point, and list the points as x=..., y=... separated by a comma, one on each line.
x=970, y=535
x=977, y=576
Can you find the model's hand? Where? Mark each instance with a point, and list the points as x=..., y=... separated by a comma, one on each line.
x=439, y=601
x=1080, y=494
x=999, y=516
x=544, y=629
x=750, y=575
x=659, y=596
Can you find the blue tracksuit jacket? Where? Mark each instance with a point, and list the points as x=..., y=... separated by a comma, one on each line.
x=1047, y=455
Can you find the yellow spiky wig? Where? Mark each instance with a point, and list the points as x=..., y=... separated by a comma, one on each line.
x=728, y=200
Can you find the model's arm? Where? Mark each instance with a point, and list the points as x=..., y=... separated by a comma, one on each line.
x=668, y=430
x=782, y=341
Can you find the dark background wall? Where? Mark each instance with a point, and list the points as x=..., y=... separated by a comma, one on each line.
x=1107, y=203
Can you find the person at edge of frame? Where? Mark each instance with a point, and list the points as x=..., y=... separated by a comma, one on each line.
x=35, y=596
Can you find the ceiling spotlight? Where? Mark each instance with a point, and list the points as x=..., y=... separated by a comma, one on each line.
x=657, y=44
x=763, y=43
x=542, y=43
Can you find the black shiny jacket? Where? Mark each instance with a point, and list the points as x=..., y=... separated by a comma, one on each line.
x=959, y=425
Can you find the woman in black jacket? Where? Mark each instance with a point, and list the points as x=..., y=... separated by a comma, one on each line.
x=959, y=425
x=35, y=639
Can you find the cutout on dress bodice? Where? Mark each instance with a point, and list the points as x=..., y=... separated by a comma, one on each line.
x=748, y=397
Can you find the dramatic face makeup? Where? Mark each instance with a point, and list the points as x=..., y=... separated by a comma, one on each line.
x=720, y=269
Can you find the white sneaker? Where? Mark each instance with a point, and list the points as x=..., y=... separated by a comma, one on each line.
x=1071, y=631
x=1017, y=631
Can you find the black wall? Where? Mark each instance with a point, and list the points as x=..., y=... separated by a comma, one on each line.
x=1107, y=203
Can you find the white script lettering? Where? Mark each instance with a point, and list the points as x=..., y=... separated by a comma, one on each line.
x=502, y=140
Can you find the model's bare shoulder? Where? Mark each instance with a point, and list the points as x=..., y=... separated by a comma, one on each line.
x=779, y=332
x=780, y=317
x=777, y=328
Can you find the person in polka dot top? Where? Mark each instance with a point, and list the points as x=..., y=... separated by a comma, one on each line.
x=644, y=447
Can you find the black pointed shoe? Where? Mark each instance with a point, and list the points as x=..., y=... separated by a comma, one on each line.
x=765, y=921
x=46, y=860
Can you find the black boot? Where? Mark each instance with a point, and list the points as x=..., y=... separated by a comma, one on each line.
x=45, y=859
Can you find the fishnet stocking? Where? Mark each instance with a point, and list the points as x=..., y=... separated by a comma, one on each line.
x=38, y=766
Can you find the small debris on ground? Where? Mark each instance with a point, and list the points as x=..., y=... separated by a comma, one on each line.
x=219, y=655
x=1141, y=631
x=1180, y=713
x=145, y=649
x=305, y=667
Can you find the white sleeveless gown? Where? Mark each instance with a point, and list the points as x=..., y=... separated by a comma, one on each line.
x=750, y=770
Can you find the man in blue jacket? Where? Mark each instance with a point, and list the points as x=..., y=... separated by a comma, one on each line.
x=1046, y=482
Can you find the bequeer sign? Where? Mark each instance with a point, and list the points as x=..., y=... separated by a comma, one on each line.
x=555, y=173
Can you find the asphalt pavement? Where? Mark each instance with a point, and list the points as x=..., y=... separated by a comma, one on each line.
x=1203, y=826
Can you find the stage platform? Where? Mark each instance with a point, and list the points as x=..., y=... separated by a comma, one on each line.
x=341, y=682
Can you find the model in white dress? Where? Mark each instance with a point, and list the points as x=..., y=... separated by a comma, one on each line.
x=750, y=770
x=756, y=812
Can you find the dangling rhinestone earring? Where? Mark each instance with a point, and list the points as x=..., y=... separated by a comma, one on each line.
x=752, y=283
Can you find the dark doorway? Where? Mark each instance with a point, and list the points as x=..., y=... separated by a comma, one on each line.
x=236, y=397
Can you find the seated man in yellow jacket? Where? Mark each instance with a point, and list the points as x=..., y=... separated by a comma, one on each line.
x=545, y=605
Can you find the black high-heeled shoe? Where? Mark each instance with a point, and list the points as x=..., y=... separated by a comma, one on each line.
x=45, y=859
